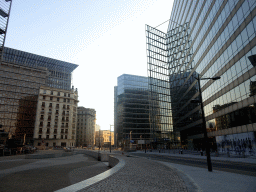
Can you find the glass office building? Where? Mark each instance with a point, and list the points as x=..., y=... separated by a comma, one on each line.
x=60, y=72
x=131, y=109
x=21, y=76
x=5, y=9
x=209, y=38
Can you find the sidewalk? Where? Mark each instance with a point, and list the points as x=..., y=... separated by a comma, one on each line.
x=136, y=175
x=212, y=181
x=198, y=156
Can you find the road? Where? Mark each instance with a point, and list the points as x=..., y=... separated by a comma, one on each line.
x=228, y=166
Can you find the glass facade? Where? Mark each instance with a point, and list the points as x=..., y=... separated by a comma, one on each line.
x=5, y=8
x=60, y=72
x=21, y=76
x=131, y=109
x=212, y=38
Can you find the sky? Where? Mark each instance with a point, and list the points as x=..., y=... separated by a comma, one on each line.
x=106, y=38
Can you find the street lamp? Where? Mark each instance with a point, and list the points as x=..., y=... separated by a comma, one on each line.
x=110, y=139
x=204, y=122
x=130, y=139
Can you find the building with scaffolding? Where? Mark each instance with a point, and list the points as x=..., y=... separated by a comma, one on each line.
x=21, y=76
x=209, y=38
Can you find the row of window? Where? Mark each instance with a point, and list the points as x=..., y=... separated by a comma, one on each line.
x=56, y=99
x=57, y=93
x=57, y=105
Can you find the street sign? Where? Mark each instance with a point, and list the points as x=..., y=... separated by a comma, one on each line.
x=141, y=141
x=132, y=141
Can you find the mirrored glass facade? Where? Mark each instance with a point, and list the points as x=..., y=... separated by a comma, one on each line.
x=131, y=109
x=21, y=76
x=211, y=38
x=5, y=9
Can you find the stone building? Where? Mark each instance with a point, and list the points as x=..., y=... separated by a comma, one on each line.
x=86, y=122
x=56, y=117
x=102, y=138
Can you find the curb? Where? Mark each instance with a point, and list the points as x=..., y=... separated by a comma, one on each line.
x=88, y=182
x=189, y=181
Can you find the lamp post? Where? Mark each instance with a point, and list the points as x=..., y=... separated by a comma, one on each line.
x=116, y=140
x=110, y=139
x=209, y=163
x=130, y=139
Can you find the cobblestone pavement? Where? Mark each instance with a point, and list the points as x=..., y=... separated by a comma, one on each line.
x=140, y=174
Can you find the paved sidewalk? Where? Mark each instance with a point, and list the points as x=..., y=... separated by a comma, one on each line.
x=194, y=155
x=137, y=174
x=220, y=181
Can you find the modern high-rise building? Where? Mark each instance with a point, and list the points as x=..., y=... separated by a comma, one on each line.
x=21, y=76
x=207, y=38
x=131, y=110
x=86, y=122
x=5, y=9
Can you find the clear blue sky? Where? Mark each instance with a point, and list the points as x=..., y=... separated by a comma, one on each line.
x=106, y=38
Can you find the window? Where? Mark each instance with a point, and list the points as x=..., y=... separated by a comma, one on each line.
x=44, y=91
x=42, y=117
x=68, y=107
x=57, y=111
x=41, y=124
x=57, y=106
x=39, y=136
x=51, y=98
x=51, y=92
x=68, y=95
x=50, y=104
x=66, y=136
x=64, y=94
x=58, y=99
x=47, y=137
x=64, y=100
x=40, y=130
x=61, y=136
x=68, y=100
x=43, y=104
x=55, y=137
x=58, y=93
x=43, y=97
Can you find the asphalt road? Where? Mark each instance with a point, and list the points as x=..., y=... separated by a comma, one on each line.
x=228, y=166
